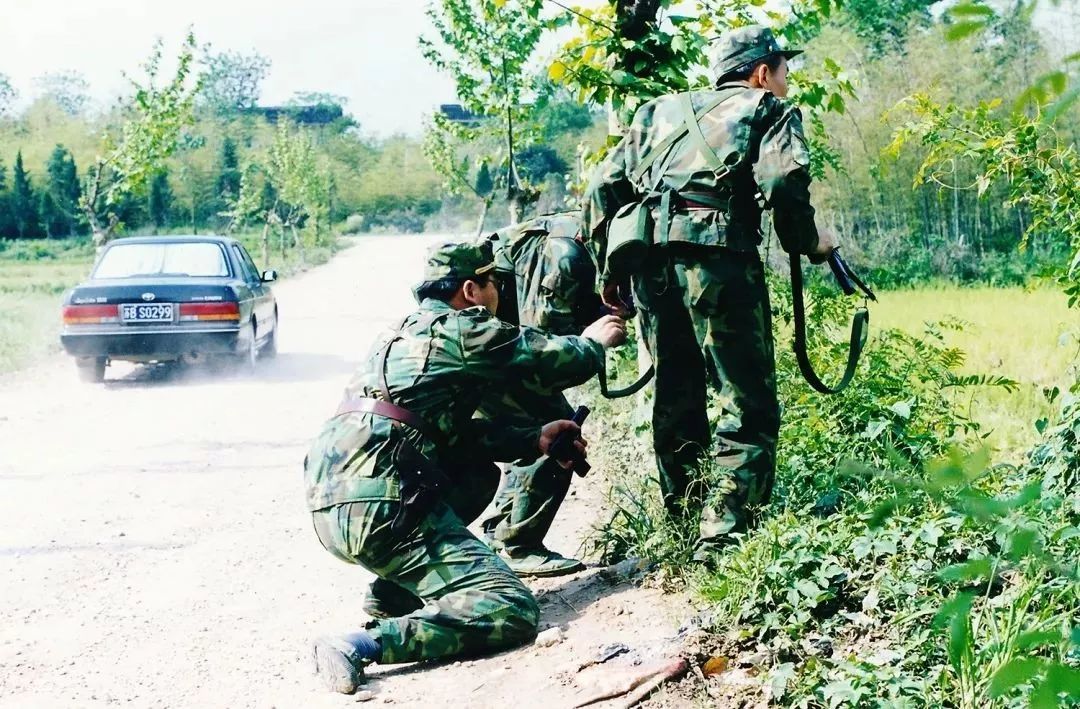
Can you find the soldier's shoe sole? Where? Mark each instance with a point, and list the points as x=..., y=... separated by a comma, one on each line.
x=547, y=573
x=334, y=669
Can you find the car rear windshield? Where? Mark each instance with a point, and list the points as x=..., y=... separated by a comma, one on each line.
x=169, y=259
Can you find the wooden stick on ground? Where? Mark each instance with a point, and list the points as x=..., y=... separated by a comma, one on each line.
x=645, y=683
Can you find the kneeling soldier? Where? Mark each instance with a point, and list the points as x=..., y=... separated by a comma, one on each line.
x=393, y=479
x=548, y=282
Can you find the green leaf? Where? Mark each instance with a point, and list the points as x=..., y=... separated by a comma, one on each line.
x=1062, y=679
x=1019, y=670
x=902, y=409
x=1063, y=103
x=1036, y=638
x=963, y=29
x=1021, y=543
x=972, y=9
x=955, y=615
x=973, y=570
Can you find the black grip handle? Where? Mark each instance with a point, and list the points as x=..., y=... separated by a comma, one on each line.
x=562, y=448
x=846, y=278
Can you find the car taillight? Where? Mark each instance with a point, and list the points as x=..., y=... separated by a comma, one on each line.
x=90, y=314
x=209, y=311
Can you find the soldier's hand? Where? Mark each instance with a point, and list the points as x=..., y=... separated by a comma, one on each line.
x=609, y=295
x=826, y=244
x=609, y=331
x=550, y=431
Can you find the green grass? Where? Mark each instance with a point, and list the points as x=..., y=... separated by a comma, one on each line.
x=33, y=277
x=1030, y=336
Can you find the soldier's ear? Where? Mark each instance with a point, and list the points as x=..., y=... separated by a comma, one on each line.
x=470, y=292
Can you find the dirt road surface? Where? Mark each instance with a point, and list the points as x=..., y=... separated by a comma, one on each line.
x=155, y=550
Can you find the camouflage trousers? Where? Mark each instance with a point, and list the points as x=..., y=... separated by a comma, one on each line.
x=532, y=489
x=706, y=321
x=447, y=593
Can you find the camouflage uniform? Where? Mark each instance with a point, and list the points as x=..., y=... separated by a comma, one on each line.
x=442, y=591
x=705, y=313
x=552, y=278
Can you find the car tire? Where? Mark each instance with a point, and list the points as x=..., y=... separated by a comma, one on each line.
x=91, y=369
x=269, y=349
x=247, y=358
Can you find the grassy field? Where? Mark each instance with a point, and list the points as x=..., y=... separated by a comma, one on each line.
x=35, y=274
x=33, y=277
x=1026, y=335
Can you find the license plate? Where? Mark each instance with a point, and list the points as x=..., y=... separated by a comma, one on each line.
x=141, y=312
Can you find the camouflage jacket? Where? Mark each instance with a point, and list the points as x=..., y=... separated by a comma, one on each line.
x=553, y=274
x=756, y=135
x=441, y=362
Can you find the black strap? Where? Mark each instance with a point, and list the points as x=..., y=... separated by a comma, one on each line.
x=855, y=347
x=625, y=391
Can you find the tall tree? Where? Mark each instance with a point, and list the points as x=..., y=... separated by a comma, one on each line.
x=61, y=193
x=67, y=89
x=231, y=81
x=486, y=47
x=161, y=199
x=7, y=226
x=24, y=202
x=228, y=181
x=152, y=133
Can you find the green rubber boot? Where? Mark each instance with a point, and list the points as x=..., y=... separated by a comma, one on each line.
x=541, y=562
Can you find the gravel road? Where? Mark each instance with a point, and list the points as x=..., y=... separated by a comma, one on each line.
x=155, y=550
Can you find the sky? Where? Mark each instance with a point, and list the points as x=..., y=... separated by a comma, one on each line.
x=364, y=50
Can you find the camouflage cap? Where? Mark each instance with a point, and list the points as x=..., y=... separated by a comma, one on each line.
x=745, y=45
x=458, y=260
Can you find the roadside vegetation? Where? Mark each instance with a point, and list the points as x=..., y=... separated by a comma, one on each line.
x=921, y=546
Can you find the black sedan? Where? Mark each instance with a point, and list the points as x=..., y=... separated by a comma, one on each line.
x=167, y=299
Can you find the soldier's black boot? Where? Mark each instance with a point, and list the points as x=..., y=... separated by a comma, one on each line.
x=340, y=660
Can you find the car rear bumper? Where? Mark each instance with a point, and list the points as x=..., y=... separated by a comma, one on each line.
x=147, y=344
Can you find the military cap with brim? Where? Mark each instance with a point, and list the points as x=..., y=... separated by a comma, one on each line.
x=744, y=46
x=458, y=261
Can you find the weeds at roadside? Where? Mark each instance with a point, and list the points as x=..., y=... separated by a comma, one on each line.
x=839, y=599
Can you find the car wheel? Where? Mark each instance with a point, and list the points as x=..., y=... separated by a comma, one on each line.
x=91, y=369
x=250, y=355
x=269, y=350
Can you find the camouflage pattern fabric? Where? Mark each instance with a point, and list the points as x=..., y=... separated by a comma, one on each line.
x=758, y=136
x=440, y=364
x=553, y=278
x=704, y=305
x=463, y=598
x=552, y=273
x=743, y=46
x=706, y=321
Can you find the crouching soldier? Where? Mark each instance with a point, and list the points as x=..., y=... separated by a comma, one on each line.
x=547, y=278
x=393, y=478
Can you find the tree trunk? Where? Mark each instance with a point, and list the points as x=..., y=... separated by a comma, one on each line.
x=515, y=208
x=483, y=217
x=266, y=244
x=299, y=244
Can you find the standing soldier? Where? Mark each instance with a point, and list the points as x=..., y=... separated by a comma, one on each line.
x=676, y=208
x=548, y=283
x=394, y=477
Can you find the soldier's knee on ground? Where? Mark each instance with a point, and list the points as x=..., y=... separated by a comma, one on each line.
x=522, y=617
